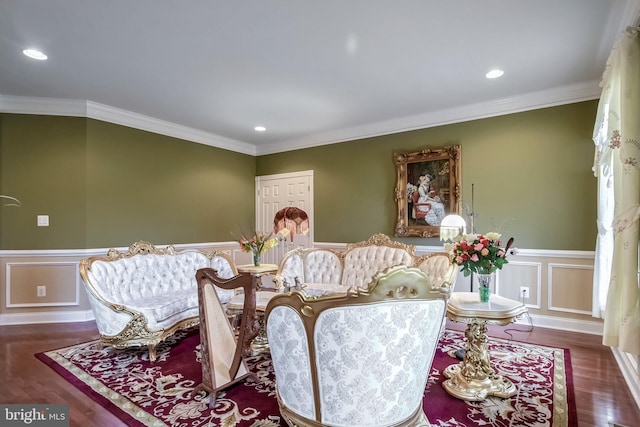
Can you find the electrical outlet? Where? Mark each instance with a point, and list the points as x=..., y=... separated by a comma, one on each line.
x=524, y=292
x=43, y=220
x=41, y=291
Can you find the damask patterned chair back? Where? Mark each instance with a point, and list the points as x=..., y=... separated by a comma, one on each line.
x=356, y=359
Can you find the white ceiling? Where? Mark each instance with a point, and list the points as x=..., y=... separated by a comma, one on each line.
x=312, y=72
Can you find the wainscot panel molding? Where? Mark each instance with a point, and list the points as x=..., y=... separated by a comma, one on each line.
x=552, y=303
x=559, y=283
x=518, y=274
x=564, y=280
x=554, y=279
x=55, y=277
x=21, y=271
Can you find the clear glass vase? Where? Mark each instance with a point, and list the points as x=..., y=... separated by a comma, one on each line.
x=485, y=285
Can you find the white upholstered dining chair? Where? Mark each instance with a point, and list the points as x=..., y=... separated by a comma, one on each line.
x=360, y=358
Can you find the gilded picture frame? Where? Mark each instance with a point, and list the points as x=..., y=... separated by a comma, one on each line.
x=427, y=189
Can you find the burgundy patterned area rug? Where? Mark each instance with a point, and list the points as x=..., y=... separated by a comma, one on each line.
x=159, y=394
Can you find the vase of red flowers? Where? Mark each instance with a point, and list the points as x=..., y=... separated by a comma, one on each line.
x=482, y=255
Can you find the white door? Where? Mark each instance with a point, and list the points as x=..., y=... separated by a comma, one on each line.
x=274, y=192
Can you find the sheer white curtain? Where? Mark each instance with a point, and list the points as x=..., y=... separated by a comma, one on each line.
x=617, y=166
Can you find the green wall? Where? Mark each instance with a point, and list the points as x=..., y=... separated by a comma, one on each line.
x=531, y=170
x=105, y=185
x=42, y=163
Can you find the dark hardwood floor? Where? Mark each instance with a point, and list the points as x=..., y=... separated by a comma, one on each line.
x=602, y=395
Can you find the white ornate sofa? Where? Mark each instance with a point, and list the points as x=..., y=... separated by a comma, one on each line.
x=356, y=359
x=322, y=271
x=142, y=296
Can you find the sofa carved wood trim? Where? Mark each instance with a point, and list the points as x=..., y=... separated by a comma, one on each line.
x=145, y=295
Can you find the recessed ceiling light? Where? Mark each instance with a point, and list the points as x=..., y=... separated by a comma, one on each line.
x=260, y=128
x=35, y=54
x=493, y=74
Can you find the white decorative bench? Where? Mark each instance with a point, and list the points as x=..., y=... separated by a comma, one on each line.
x=143, y=296
x=323, y=271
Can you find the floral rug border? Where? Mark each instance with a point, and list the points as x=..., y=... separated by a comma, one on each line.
x=112, y=401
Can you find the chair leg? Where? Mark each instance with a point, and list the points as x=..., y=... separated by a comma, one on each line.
x=212, y=399
x=152, y=352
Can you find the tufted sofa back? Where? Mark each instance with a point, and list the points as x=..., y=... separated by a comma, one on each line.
x=322, y=267
x=146, y=272
x=146, y=276
x=362, y=263
x=308, y=265
x=327, y=270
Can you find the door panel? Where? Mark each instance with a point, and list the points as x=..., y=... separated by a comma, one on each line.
x=274, y=192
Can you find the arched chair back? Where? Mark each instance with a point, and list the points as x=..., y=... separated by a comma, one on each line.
x=360, y=358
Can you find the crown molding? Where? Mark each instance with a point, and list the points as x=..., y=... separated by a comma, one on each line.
x=44, y=106
x=82, y=108
x=532, y=101
x=106, y=113
x=139, y=121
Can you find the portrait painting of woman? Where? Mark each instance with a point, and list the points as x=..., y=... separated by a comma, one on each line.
x=428, y=189
x=428, y=197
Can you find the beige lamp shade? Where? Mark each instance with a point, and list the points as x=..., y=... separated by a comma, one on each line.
x=291, y=221
x=451, y=226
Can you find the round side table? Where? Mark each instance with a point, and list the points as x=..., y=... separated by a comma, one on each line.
x=474, y=379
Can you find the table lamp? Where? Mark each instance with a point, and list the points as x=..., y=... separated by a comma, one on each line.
x=452, y=226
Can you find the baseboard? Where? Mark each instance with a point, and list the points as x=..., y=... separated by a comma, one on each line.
x=629, y=372
x=560, y=323
x=564, y=324
x=46, y=317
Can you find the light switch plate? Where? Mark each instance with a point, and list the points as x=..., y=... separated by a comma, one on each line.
x=43, y=220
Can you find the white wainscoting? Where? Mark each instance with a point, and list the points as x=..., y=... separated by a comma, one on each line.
x=21, y=271
x=559, y=283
